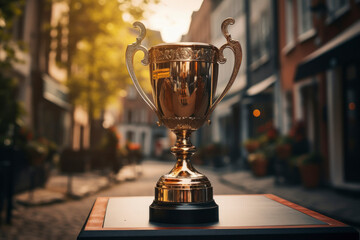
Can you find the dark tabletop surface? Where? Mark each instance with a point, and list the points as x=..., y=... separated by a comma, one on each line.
x=240, y=217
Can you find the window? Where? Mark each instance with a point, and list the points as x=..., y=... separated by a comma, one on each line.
x=260, y=32
x=305, y=25
x=336, y=8
x=289, y=22
x=129, y=116
x=131, y=93
x=143, y=116
x=59, y=45
x=288, y=111
x=130, y=136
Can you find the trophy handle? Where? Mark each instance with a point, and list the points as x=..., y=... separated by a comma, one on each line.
x=130, y=52
x=236, y=48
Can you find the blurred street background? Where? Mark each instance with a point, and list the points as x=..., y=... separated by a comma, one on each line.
x=73, y=127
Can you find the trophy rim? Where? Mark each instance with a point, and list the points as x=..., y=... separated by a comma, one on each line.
x=184, y=51
x=184, y=44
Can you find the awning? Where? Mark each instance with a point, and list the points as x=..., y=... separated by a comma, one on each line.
x=261, y=86
x=55, y=92
x=231, y=101
x=225, y=105
x=343, y=49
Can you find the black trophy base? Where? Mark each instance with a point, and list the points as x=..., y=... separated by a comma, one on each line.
x=184, y=213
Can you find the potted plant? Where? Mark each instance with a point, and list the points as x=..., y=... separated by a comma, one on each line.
x=215, y=151
x=199, y=157
x=37, y=152
x=283, y=148
x=134, y=153
x=258, y=163
x=251, y=145
x=283, y=154
x=309, y=166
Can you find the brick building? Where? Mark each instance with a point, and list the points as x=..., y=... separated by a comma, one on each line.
x=319, y=68
x=41, y=83
x=205, y=26
x=137, y=123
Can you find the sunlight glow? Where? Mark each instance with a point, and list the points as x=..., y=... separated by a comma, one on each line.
x=123, y=93
x=171, y=17
x=127, y=17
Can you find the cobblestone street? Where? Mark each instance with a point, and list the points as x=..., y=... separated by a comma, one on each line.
x=64, y=220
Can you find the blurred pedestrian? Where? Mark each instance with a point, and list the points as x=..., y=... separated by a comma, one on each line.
x=109, y=144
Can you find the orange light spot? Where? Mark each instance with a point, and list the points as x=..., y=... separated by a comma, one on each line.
x=352, y=106
x=256, y=113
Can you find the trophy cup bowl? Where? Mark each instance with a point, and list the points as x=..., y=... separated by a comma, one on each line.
x=184, y=79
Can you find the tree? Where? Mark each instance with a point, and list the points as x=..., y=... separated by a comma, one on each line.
x=98, y=37
x=11, y=109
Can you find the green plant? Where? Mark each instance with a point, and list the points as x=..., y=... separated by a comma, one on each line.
x=284, y=140
x=36, y=152
x=283, y=147
x=215, y=149
x=309, y=166
x=11, y=110
x=307, y=159
x=253, y=157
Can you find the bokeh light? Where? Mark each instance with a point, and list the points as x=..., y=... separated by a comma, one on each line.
x=256, y=113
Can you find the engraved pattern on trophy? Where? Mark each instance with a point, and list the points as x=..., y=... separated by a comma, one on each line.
x=184, y=54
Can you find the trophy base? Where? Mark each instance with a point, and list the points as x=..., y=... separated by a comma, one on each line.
x=184, y=213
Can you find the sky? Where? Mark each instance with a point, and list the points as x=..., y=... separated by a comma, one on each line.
x=171, y=17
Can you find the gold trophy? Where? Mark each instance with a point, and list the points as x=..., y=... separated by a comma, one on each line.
x=184, y=79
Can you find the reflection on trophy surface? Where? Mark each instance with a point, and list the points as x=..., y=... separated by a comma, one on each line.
x=183, y=89
x=184, y=79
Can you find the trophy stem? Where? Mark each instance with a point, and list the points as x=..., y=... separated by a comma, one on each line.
x=183, y=150
x=184, y=195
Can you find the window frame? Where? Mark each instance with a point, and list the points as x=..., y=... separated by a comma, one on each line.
x=334, y=14
x=303, y=34
x=289, y=27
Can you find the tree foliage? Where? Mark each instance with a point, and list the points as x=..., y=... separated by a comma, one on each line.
x=10, y=110
x=98, y=37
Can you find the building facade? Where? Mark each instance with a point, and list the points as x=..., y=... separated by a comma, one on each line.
x=227, y=119
x=260, y=104
x=225, y=128
x=137, y=124
x=41, y=89
x=319, y=60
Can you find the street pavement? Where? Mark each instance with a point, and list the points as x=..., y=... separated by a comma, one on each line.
x=43, y=218
x=345, y=208
x=63, y=219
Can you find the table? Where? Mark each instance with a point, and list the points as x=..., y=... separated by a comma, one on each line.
x=259, y=216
